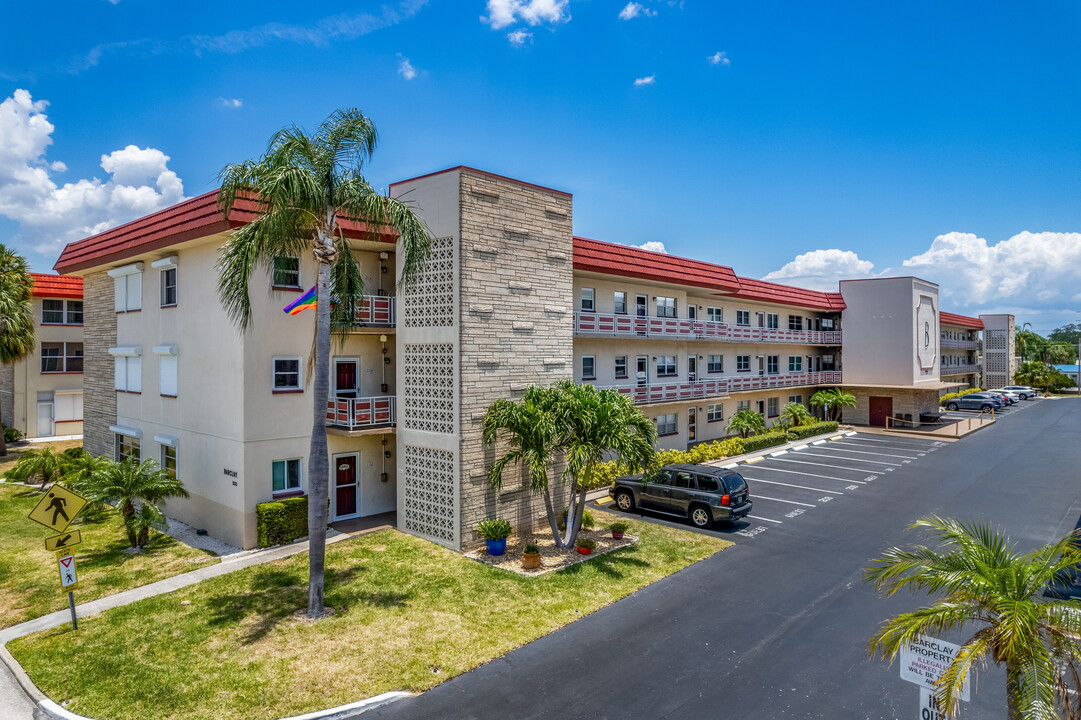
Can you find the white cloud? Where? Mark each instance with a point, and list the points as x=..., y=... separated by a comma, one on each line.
x=51, y=215
x=406, y=69
x=822, y=269
x=519, y=37
x=648, y=80
x=653, y=246
x=502, y=13
x=231, y=103
x=719, y=58
x=633, y=10
x=1033, y=269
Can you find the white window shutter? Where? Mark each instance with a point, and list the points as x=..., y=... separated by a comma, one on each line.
x=120, y=285
x=120, y=378
x=167, y=374
x=135, y=291
x=77, y=406
x=135, y=374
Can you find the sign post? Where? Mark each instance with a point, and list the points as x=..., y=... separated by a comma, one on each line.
x=56, y=510
x=68, y=580
x=923, y=661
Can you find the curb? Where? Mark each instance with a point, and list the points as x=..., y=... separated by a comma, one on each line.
x=55, y=711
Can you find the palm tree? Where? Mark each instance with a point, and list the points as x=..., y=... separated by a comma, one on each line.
x=135, y=489
x=599, y=423
x=78, y=470
x=978, y=579
x=794, y=414
x=41, y=463
x=1021, y=340
x=833, y=400
x=302, y=186
x=746, y=422
x=529, y=427
x=16, y=315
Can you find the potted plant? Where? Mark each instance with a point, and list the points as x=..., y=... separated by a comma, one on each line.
x=531, y=559
x=586, y=545
x=618, y=528
x=495, y=532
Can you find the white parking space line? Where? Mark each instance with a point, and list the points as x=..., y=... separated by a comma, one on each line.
x=756, y=517
x=868, y=452
x=862, y=471
x=906, y=448
x=801, y=487
x=894, y=441
x=840, y=457
x=807, y=474
x=819, y=442
x=790, y=502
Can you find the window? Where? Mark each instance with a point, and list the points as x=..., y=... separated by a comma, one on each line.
x=127, y=287
x=168, y=287
x=684, y=480
x=827, y=362
x=771, y=406
x=666, y=365
x=52, y=312
x=286, y=272
x=621, y=366
x=715, y=363
x=587, y=300
x=772, y=364
x=286, y=474
x=287, y=374
x=127, y=446
x=620, y=303
x=715, y=412
x=772, y=321
x=128, y=369
x=795, y=363
x=743, y=317
x=743, y=363
x=168, y=459
x=666, y=307
x=743, y=405
x=798, y=399
x=167, y=370
x=715, y=314
x=74, y=312
x=61, y=357
x=708, y=484
x=666, y=424
x=589, y=367
x=795, y=322
x=827, y=323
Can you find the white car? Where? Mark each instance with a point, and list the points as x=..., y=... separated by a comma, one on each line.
x=1013, y=397
x=1022, y=391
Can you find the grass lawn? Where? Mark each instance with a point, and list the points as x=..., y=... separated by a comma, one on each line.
x=408, y=615
x=29, y=584
x=8, y=461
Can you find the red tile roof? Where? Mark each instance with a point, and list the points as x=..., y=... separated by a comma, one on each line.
x=57, y=286
x=194, y=218
x=613, y=259
x=946, y=318
x=626, y=261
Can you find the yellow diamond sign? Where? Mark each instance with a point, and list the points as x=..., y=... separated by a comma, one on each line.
x=57, y=508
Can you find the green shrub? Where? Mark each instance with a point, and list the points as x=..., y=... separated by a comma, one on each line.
x=530, y=550
x=619, y=526
x=281, y=521
x=806, y=431
x=951, y=396
x=607, y=472
x=765, y=440
x=12, y=434
x=587, y=543
x=493, y=529
x=587, y=520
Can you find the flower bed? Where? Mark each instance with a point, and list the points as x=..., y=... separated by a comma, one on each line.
x=552, y=558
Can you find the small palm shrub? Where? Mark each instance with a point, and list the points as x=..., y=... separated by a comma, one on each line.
x=43, y=463
x=493, y=529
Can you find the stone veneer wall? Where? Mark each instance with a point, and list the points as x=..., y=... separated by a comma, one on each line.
x=99, y=393
x=912, y=402
x=516, y=330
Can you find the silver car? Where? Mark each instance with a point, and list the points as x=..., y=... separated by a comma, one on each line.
x=1022, y=391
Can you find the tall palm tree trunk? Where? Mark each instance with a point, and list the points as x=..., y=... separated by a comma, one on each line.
x=318, y=462
x=550, y=510
x=3, y=440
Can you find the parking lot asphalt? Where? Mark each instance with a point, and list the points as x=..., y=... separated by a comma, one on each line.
x=776, y=626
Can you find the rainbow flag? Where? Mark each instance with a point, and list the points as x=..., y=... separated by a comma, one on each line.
x=305, y=301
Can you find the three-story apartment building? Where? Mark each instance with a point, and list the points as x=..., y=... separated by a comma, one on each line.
x=961, y=349
x=507, y=298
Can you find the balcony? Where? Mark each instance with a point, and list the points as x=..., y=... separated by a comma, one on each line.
x=360, y=414
x=658, y=393
x=375, y=312
x=961, y=369
x=950, y=344
x=618, y=325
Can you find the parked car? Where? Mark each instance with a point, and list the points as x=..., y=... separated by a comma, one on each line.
x=1023, y=391
x=1003, y=397
x=976, y=401
x=1013, y=397
x=699, y=493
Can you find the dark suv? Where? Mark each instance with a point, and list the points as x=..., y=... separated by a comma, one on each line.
x=698, y=492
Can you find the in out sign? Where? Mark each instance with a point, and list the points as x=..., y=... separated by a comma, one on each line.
x=930, y=708
x=923, y=661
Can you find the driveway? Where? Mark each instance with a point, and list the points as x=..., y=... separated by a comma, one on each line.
x=776, y=626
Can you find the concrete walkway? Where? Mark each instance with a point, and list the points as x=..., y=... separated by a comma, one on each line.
x=14, y=700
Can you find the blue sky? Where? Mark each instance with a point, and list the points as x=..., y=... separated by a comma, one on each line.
x=824, y=140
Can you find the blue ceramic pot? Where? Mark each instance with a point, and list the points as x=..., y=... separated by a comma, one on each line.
x=496, y=547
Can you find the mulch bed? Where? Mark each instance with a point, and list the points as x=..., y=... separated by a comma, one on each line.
x=552, y=558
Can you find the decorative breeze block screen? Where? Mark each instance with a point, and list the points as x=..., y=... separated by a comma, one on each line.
x=429, y=493
x=429, y=301
x=428, y=388
x=996, y=340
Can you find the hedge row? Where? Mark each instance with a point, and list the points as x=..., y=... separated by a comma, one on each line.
x=806, y=431
x=950, y=396
x=281, y=521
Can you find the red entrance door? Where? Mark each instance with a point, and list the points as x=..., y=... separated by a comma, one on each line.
x=345, y=378
x=345, y=487
x=880, y=409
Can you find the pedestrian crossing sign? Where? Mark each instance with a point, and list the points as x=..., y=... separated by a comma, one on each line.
x=66, y=565
x=57, y=508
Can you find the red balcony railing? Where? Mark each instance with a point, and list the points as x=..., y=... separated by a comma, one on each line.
x=960, y=369
x=704, y=389
x=601, y=324
x=360, y=413
x=375, y=310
